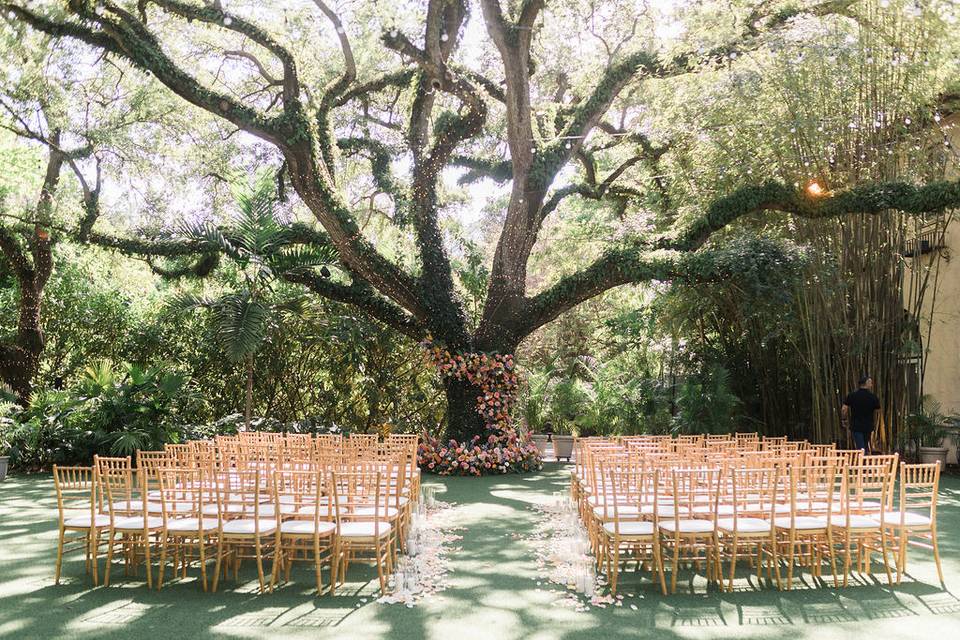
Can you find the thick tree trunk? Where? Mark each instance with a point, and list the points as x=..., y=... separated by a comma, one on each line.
x=20, y=360
x=17, y=368
x=463, y=420
x=248, y=401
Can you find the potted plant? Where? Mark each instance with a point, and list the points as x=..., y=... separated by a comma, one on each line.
x=925, y=431
x=562, y=446
x=533, y=409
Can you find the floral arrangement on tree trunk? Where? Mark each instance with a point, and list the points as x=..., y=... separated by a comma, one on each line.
x=503, y=450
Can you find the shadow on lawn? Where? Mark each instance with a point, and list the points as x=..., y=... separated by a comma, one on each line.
x=810, y=602
x=493, y=592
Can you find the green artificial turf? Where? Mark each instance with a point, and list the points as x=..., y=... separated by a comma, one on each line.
x=493, y=592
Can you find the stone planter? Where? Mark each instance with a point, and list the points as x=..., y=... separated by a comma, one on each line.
x=934, y=454
x=540, y=439
x=563, y=447
x=4, y=461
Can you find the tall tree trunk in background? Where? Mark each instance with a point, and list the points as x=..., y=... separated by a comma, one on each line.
x=248, y=399
x=31, y=263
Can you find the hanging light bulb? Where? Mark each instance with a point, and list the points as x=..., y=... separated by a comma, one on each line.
x=815, y=189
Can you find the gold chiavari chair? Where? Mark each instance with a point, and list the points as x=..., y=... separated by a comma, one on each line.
x=916, y=515
x=132, y=529
x=860, y=522
x=298, y=449
x=362, y=527
x=631, y=521
x=685, y=536
x=80, y=520
x=806, y=533
x=754, y=502
x=188, y=529
x=612, y=486
x=181, y=455
x=307, y=533
x=247, y=528
x=851, y=457
x=149, y=464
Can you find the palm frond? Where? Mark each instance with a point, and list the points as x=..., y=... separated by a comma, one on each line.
x=188, y=301
x=302, y=257
x=241, y=324
x=210, y=235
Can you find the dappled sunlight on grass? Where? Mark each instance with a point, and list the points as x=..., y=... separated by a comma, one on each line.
x=493, y=590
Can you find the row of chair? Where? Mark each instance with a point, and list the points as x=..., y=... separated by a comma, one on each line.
x=644, y=499
x=326, y=501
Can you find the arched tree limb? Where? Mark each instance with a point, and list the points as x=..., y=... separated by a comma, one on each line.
x=669, y=256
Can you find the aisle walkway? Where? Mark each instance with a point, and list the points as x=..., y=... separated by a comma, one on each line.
x=493, y=593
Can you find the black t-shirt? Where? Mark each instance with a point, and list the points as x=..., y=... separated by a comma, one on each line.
x=862, y=404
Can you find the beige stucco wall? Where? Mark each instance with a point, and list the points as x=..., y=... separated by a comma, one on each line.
x=942, y=379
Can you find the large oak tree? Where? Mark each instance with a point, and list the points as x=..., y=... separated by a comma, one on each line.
x=450, y=102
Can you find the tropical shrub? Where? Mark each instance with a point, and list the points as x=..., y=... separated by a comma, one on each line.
x=111, y=411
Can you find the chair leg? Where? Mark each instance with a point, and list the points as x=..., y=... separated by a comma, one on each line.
x=733, y=562
x=162, y=569
x=56, y=578
x=846, y=559
x=216, y=572
x=203, y=561
x=791, y=549
x=146, y=557
x=936, y=553
x=884, y=550
x=334, y=567
x=833, y=557
x=256, y=545
x=380, y=576
x=616, y=566
x=110, y=543
x=658, y=560
x=676, y=566
x=94, y=550
x=279, y=557
x=316, y=564
x=775, y=561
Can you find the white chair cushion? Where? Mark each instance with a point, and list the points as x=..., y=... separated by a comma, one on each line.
x=172, y=508
x=386, y=512
x=135, y=505
x=892, y=518
x=687, y=526
x=743, y=525
x=601, y=499
x=269, y=510
x=802, y=522
x=854, y=521
x=191, y=524
x=310, y=509
x=362, y=529
x=663, y=510
x=137, y=522
x=631, y=528
x=83, y=522
x=306, y=527
x=756, y=507
x=722, y=509
x=249, y=526
x=622, y=509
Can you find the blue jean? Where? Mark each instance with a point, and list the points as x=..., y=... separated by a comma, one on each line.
x=861, y=440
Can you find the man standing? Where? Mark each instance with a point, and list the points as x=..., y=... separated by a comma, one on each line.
x=860, y=413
